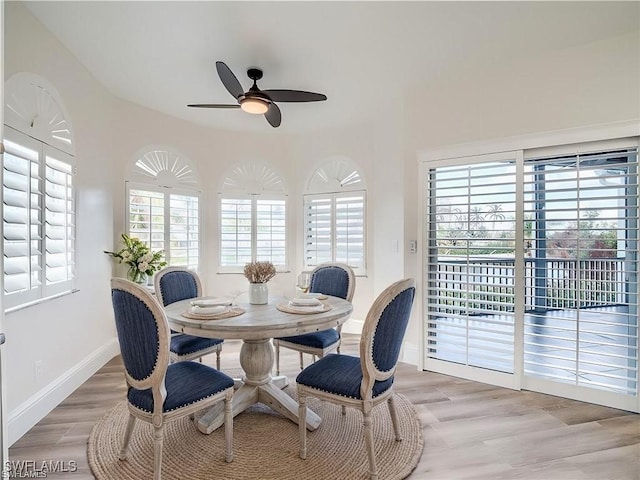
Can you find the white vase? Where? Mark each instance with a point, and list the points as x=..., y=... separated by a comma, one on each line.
x=258, y=293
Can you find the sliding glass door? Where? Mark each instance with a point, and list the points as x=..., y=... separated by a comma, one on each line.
x=581, y=312
x=531, y=272
x=471, y=268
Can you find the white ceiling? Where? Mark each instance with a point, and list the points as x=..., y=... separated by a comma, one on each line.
x=362, y=55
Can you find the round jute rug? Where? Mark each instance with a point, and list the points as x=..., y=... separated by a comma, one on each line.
x=265, y=446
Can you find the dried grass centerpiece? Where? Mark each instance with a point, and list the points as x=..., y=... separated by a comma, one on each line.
x=258, y=274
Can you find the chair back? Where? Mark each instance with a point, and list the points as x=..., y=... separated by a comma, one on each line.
x=335, y=279
x=143, y=333
x=383, y=332
x=173, y=284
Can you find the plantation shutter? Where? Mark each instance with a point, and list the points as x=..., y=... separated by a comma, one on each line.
x=271, y=231
x=582, y=322
x=168, y=222
x=22, y=199
x=335, y=229
x=235, y=231
x=38, y=220
x=471, y=275
x=318, y=226
x=184, y=241
x=349, y=230
x=146, y=217
x=59, y=222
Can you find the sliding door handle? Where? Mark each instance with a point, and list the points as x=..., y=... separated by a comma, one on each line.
x=2, y=338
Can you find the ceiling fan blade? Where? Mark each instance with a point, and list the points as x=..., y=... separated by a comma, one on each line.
x=273, y=115
x=212, y=105
x=294, y=96
x=229, y=80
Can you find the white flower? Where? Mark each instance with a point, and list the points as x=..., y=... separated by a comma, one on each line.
x=143, y=266
x=147, y=257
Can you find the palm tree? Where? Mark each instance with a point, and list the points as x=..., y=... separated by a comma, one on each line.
x=476, y=219
x=494, y=212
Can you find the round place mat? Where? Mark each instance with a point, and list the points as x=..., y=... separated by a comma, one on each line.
x=302, y=310
x=230, y=312
x=265, y=446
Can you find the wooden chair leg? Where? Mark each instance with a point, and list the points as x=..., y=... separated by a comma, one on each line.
x=277, y=359
x=301, y=362
x=127, y=436
x=228, y=427
x=394, y=418
x=368, y=440
x=218, y=359
x=158, y=438
x=302, y=425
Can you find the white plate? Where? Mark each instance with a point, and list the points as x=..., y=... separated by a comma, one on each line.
x=305, y=302
x=211, y=302
x=207, y=310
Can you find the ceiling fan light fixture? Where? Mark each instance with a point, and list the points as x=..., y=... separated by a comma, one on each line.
x=257, y=106
x=256, y=101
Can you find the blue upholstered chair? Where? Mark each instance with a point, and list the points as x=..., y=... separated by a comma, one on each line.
x=157, y=390
x=337, y=280
x=173, y=284
x=366, y=381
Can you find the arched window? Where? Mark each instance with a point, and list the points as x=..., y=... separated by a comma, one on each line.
x=38, y=191
x=253, y=217
x=163, y=205
x=334, y=215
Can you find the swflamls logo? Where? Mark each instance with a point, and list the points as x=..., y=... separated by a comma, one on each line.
x=37, y=468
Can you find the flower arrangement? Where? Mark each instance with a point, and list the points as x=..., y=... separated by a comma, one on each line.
x=141, y=260
x=259, y=272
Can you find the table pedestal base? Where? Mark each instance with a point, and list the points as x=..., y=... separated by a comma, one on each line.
x=256, y=358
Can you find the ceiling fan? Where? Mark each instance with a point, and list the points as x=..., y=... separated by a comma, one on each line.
x=258, y=101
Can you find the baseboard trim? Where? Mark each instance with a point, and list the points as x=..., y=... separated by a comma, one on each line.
x=411, y=354
x=353, y=326
x=34, y=409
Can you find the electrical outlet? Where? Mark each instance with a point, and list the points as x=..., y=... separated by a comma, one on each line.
x=39, y=369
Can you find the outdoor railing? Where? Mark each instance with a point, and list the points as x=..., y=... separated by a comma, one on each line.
x=487, y=284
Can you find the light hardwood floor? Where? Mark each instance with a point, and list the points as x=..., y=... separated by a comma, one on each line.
x=471, y=430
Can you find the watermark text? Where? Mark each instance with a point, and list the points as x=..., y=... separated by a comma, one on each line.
x=37, y=468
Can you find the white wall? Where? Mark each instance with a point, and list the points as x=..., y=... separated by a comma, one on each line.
x=72, y=335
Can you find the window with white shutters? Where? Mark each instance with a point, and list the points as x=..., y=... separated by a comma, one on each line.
x=38, y=220
x=271, y=231
x=318, y=221
x=168, y=221
x=235, y=231
x=184, y=230
x=335, y=229
x=253, y=217
x=252, y=228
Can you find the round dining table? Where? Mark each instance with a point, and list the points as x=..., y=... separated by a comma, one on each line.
x=256, y=326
